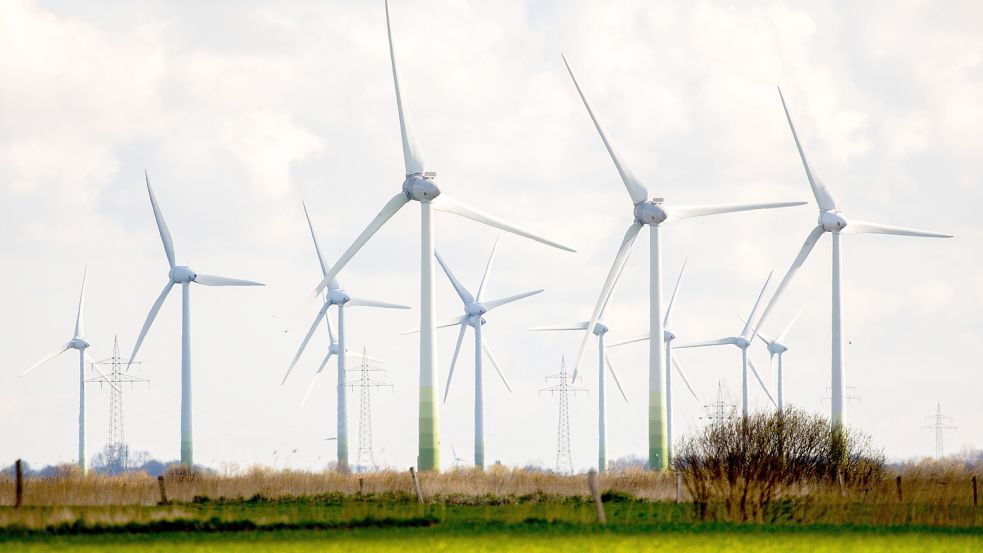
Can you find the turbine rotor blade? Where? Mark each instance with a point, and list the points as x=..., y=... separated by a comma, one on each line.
x=457, y=351
x=807, y=247
x=150, y=320
x=317, y=373
x=823, y=198
x=489, y=305
x=672, y=298
x=758, y=377
x=165, y=235
x=763, y=337
x=494, y=362
x=866, y=227
x=212, y=280
x=679, y=371
x=317, y=249
x=412, y=154
x=95, y=367
x=609, y=282
x=363, y=302
x=641, y=338
x=781, y=337
x=746, y=331
x=568, y=326
x=636, y=190
x=79, y=322
x=448, y=323
x=488, y=267
x=448, y=205
x=462, y=292
x=732, y=341
x=388, y=210
x=679, y=213
x=307, y=338
x=614, y=375
x=47, y=358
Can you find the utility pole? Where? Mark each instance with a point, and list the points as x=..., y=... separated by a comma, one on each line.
x=365, y=459
x=564, y=387
x=940, y=424
x=117, y=450
x=720, y=410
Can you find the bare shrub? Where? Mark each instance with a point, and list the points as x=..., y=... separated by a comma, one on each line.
x=737, y=469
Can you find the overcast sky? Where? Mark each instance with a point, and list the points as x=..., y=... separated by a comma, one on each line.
x=239, y=111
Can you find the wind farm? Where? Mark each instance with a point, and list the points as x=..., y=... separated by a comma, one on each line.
x=277, y=131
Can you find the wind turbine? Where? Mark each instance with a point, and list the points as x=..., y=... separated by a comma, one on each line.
x=670, y=361
x=654, y=213
x=420, y=185
x=777, y=347
x=183, y=275
x=78, y=342
x=742, y=341
x=600, y=329
x=474, y=310
x=334, y=294
x=832, y=220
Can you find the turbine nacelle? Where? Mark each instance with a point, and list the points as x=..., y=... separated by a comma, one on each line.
x=667, y=335
x=832, y=220
x=79, y=343
x=600, y=329
x=337, y=296
x=181, y=274
x=476, y=320
x=650, y=212
x=775, y=348
x=475, y=309
x=742, y=342
x=421, y=187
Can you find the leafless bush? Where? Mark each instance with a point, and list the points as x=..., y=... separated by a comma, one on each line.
x=743, y=465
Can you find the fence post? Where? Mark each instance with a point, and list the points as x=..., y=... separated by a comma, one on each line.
x=679, y=487
x=596, y=492
x=163, y=493
x=19, y=489
x=416, y=484
x=361, y=486
x=976, y=497
x=839, y=480
x=897, y=482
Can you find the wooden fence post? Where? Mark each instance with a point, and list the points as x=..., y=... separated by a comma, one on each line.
x=839, y=480
x=596, y=492
x=163, y=493
x=976, y=497
x=416, y=484
x=897, y=483
x=19, y=489
x=361, y=486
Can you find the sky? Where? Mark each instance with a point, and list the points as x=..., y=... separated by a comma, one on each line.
x=240, y=111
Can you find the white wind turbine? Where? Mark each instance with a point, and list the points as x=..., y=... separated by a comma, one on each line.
x=78, y=342
x=742, y=341
x=777, y=347
x=183, y=275
x=832, y=220
x=600, y=329
x=654, y=213
x=420, y=185
x=475, y=308
x=334, y=294
x=670, y=361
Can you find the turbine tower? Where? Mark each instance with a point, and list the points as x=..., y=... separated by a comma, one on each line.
x=365, y=458
x=832, y=220
x=475, y=308
x=656, y=214
x=116, y=448
x=334, y=295
x=600, y=329
x=420, y=185
x=777, y=348
x=79, y=343
x=940, y=424
x=742, y=341
x=564, y=387
x=183, y=275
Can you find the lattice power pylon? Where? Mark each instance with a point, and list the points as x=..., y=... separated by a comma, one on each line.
x=365, y=459
x=564, y=387
x=940, y=424
x=720, y=410
x=116, y=376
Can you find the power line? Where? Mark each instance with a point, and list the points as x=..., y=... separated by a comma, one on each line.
x=564, y=386
x=940, y=424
